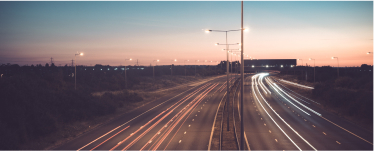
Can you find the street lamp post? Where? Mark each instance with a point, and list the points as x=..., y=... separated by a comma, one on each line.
x=75, y=74
x=185, y=75
x=154, y=68
x=314, y=68
x=338, y=63
x=171, y=66
x=227, y=66
x=126, y=73
x=195, y=67
x=242, y=83
x=301, y=61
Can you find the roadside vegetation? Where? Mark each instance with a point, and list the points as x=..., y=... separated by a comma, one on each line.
x=39, y=106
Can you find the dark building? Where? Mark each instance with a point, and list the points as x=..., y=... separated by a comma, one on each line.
x=270, y=62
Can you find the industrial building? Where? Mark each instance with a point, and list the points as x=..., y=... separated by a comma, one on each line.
x=270, y=63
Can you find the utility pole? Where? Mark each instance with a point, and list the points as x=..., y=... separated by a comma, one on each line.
x=51, y=60
x=242, y=87
x=72, y=62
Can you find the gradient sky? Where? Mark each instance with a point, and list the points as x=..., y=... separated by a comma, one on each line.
x=109, y=32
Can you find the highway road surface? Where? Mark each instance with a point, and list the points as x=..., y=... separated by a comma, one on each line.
x=276, y=118
x=181, y=120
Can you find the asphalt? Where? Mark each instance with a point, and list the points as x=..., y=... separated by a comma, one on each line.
x=272, y=122
x=181, y=120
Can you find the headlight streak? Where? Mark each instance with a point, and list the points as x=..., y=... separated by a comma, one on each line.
x=303, y=86
x=280, y=118
x=296, y=93
x=270, y=81
x=253, y=90
x=271, y=84
x=324, y=117
x=298, y=101
x=260, y=83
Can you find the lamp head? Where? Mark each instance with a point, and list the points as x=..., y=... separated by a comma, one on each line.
x=208, y=31
x=216, y=44
x=81, y=53
x=130, y=59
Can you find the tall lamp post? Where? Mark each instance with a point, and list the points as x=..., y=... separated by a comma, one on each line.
x=171, y=66
x=75, y=74
x=338, y=63
x=301, y=61
x=125, y=72
x=185, y=67
x=195, y=66
x=242, y=82
x=227, y=63
x=314, y=68
x=154, y=68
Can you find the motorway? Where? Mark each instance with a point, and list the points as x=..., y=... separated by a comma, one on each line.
x=181, y=120
x=276, y=118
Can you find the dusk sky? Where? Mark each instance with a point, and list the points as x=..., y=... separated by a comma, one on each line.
x=110, y=32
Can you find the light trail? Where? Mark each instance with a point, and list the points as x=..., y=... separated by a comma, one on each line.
x=253, y=90
x=181, y=100
x=298, y=101
x=289, y=82
x=131, y=120
x=271, y=84
x=191, y=105
x=295, y=92
x=282, y=119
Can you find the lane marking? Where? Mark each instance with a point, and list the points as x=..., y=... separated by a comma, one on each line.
x=347, y=131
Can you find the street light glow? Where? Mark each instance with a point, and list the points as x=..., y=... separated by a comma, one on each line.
x=207, y=31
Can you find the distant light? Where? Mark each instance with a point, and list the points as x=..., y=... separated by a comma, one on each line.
x=216, y=44
x=282, y=66
x=130, y=59
x=246, y=29
x=253, y=66
x=267, y=66
x=81, y=54
x=207, y=31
